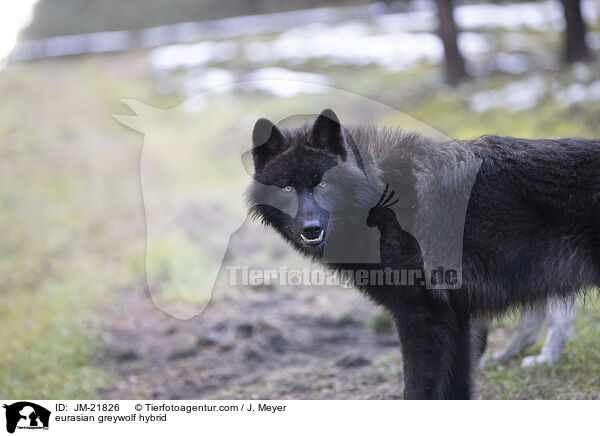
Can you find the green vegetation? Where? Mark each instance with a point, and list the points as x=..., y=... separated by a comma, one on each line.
x=73, y=222
x=575, y=376
x=348, y=319
x=381, y=323
x=67, y=229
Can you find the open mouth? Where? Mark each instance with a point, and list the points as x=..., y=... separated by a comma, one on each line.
x=312, y=239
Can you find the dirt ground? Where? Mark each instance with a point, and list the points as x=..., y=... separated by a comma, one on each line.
x=264, y=344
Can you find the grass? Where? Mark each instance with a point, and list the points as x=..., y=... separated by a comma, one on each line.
x=381, y=323
x=575, y=376
x=67, y=231
x=49, y=348
x=74, y=225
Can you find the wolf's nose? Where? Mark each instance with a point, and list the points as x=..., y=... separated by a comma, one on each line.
x=312, y=229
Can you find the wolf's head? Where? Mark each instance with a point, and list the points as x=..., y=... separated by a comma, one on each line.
x=304, y=182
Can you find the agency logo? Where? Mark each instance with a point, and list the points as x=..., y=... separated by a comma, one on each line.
x=26, y=415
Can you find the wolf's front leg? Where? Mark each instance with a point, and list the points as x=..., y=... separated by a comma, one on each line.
x=435, y=351
x=436, y=343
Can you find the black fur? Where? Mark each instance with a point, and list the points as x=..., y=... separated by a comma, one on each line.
x=532, y=229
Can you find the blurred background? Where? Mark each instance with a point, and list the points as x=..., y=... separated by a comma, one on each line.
x=76, y=318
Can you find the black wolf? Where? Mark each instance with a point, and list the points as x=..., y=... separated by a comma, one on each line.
x=531, y=229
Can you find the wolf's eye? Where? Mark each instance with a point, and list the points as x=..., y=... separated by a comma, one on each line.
x=323, y=184
x=288, y=188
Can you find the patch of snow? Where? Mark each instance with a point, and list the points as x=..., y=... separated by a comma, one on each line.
x=413, y=21
x=594, y=91
x=574, y=93
x=254, y=24
x=285, y=83
x=517, y=41
x=348, y=44
x=418, y=16
x=513, y=63
x=176, y=56
x=514, y=16
x=68, y=45
x=517, y=96
x=590, y=9
x=354, y=44
x=582, y=72
x=472, y=44
x=579, y=92
x=207, y=79
x=593, y=40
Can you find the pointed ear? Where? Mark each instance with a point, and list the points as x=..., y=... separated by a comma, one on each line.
x=267, y=142
x=327, y=134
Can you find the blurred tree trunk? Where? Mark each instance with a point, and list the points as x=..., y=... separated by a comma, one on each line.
x=575, y=46
x=455, y=63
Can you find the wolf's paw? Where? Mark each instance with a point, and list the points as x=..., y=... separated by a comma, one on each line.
x=541, y=359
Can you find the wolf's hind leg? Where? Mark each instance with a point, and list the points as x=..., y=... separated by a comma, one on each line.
x=529, y=328
x=560, y=318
